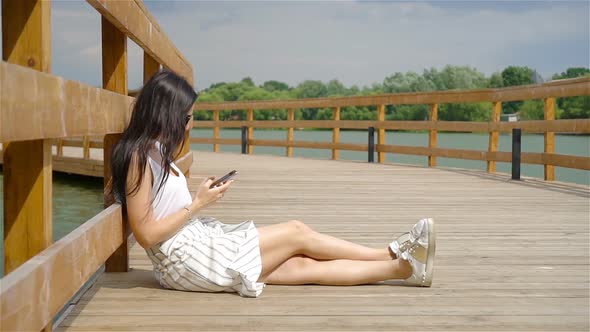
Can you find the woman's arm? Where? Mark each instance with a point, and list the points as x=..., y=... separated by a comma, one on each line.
x=140, y=214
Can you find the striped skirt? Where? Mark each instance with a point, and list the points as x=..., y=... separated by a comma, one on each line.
x=209, y=256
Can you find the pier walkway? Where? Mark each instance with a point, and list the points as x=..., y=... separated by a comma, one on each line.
x=511, y=255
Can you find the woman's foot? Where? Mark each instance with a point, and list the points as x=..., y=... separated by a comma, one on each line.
x=406, y=240
x=420, y=255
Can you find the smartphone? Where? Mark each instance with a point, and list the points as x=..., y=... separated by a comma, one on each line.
x=223, y=179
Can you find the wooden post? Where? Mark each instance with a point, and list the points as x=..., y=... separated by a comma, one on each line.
x=549, y=137
x=250, y=131
x=28, y=229
x=432, y=136
x=336, y=134
x=216, y=130
x=290, y=117
x=86, y=147
x=494, y=135
x=381, y=133
x=150, y=66
x=60, y=147
x=114, y=78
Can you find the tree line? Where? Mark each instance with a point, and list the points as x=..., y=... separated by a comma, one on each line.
x=449, y=78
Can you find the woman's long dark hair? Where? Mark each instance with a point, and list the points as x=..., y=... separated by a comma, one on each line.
x=159, y=114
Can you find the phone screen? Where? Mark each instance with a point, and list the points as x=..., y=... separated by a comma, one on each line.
x=223, y=179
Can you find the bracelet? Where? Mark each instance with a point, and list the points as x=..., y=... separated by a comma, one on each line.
x=188, y=212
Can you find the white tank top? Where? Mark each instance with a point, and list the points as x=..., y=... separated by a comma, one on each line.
x=174, y=194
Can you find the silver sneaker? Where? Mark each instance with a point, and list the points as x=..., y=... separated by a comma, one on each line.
x=407, y=240
x=421, y=257
x=418, y=247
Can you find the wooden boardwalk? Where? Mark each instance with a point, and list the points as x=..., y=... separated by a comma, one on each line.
x=510, y=255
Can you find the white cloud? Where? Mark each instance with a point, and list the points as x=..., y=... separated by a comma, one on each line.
x=355, y=42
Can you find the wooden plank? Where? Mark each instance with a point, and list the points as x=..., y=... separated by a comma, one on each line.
x=250, y=118
x=335, y=133
x=114, y=78
x=549, y=114
x=562, y=88
x=552, y=159
x=433, y=117
x=290, y=117
x=134, y=20
x=216, y=141
x=28, y=229
x=494, y=135
x=534, y=126
x=57, y=107
x=80, y=166
x=36, y=291
x=381, y=133
x=577, y=126
x=310, y=145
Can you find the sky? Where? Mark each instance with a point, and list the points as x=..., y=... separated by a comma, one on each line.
x=356, y=42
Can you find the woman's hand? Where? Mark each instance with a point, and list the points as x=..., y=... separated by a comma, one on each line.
x=206, y=196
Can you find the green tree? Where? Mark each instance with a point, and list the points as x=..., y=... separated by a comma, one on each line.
x=335, y=88
x=247, y=81
x=572, y=72
x=273, y=86
x=310, y=89
x=574, y=107
x=513, y=76
x=496, y=80
x=465, y=112
x=532, y=110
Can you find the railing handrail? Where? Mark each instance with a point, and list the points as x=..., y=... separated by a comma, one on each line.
x=558, y=88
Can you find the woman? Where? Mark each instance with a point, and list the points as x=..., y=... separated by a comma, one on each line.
x=202, y=254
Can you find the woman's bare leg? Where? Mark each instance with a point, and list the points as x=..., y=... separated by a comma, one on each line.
x=281, y=241
x=300, y=270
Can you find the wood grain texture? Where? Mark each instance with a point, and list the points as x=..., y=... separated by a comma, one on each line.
x=549, y=114
x=494, y=135
x=215, y=131
x=290, y=117
x=36, y=291
x=504, y=262
x=335, y=134
x=114, y=78
x=27, y=219
x=432, y=135
x=150, y=66
x=250, y=134
x=381, y=132
x=54, y=107
x=134, y=20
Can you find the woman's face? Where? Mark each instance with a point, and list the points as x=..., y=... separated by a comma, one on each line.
x=189, y=121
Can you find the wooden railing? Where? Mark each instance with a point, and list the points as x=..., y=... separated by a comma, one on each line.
x=36, y=109
x=547, y=92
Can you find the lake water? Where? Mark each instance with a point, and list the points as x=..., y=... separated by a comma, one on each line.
x=77, y=198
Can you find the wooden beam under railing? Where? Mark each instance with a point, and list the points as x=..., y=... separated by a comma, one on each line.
x=534, y=126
